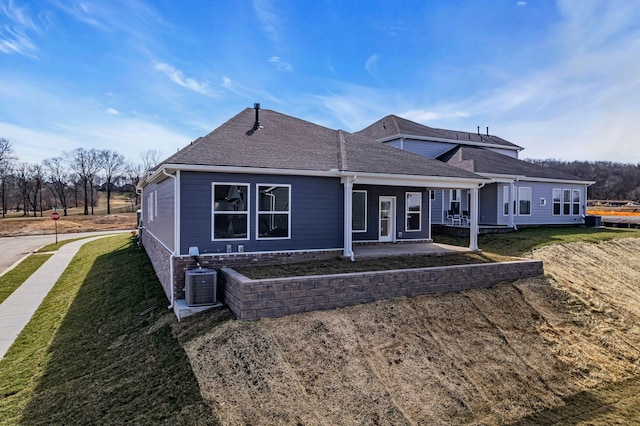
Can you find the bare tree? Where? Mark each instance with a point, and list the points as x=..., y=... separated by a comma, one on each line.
x=133, y=173
x=112, y=165
x=58, y=178
x=6, y=167
x=150, y=159
x=86, y=164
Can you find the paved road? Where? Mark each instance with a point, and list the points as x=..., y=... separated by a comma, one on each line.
x=13, y=249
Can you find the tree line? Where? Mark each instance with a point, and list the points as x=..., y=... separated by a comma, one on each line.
x=613, y=181
x=69, y=180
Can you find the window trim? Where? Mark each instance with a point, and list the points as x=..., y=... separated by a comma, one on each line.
x=366, y=212
x=558, y=202
x=406, y=211
x=259, y=212
x=528, y=189
x=213, y=210
x=574, y=203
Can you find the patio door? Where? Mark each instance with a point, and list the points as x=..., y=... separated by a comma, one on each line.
x=387, y=227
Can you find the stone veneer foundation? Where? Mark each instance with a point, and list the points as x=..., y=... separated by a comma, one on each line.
x=253, y=299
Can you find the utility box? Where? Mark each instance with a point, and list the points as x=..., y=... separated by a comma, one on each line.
x=593, y=221
x=200, y=287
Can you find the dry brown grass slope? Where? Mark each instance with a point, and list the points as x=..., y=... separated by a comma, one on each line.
x=493, y=356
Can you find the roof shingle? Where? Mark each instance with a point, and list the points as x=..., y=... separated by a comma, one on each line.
x=392, y=125
x=289, y=143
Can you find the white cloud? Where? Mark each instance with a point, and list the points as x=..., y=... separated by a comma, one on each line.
x=128, y=136
x=264, y=10
x=521, y=3
x=178, y=77
x=370, y=65
x=279, y=64
x=14, y=36
x=112, y=111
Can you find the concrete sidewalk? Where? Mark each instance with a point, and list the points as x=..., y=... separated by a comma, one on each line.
x=16, y=311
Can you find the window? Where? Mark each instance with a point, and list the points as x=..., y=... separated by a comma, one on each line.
x=524, y=201
x=414, y=211
x=274, y=203
x=150, y=204
x=454, y=197
x=359, y=211
x=505, y=200
x=155, y=203
x=557, y=200
x=575, y=202
x=566, y=202
x=230, y=211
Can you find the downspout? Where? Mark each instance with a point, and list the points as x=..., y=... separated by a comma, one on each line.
x=348, y=218
x=175, y=233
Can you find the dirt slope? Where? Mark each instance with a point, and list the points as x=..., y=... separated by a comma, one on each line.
x=489, y=356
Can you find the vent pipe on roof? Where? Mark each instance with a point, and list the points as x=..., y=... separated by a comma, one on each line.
x=256, y=125
x=487, y=130
x=478, y=130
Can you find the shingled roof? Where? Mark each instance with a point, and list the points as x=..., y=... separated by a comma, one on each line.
x=480, y=160
x=392, y=125
x=288, y=143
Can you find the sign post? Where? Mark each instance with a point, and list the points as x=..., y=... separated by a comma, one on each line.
x=55, y=216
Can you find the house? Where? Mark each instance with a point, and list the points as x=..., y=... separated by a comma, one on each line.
x=268, y=187
x=517, y=193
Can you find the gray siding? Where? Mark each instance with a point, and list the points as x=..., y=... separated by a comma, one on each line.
x=373, y=199
x=488, y=205
x=316, y=213
x=424, y=148
x=541, y=215
x=161, y=225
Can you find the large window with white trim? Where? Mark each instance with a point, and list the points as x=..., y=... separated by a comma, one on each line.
x=566, y=202
x=524, y=201
x=557, y=201
x=230, y=211
x=413, y=209
x=575, y=202
x=359, y=211
x=274, y=211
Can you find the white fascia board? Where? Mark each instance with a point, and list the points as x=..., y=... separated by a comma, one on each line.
x=241, y=170
x=455, y=141
x=521, y=178
x=413, y=180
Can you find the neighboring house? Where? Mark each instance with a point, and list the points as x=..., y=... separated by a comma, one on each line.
x=268, y=187
x=516, y=193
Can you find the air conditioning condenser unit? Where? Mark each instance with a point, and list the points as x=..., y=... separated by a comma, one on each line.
x=200, y=287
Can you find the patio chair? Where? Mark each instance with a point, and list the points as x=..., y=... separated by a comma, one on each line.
x=465, y=217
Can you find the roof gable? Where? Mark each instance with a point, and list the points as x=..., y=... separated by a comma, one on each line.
x=392, y=125
x=480, y=160
x=288, y=143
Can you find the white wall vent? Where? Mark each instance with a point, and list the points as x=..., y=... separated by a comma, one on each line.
x=200, y=287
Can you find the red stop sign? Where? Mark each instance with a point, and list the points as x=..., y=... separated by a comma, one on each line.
x=55, y=215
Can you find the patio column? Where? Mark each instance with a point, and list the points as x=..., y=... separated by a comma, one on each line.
x=348, y=213
x=473, y=224
x=511, y=204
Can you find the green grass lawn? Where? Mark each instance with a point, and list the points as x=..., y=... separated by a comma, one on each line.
x=10, y=281
x=88, y=356
x=525, y=240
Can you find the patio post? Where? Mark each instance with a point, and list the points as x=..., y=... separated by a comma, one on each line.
x=473, y=224
x=348, y=213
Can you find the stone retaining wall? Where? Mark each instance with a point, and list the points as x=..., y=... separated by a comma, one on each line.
x=253, y=299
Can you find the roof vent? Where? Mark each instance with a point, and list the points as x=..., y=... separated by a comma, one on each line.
x=256, y=125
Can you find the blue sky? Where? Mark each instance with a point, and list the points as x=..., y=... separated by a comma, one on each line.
x=559, y=78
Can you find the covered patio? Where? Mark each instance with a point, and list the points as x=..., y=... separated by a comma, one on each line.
x=406, y=249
